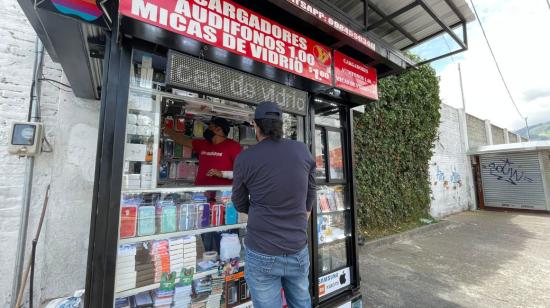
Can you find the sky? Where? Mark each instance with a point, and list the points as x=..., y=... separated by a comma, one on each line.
x=519, y=33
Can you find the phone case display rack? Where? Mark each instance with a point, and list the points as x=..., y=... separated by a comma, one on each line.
x=166, y=256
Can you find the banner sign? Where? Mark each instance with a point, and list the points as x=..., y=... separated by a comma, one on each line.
x=334, y=282
x=227, y=25
x=194, y=74
x=352, y=75
x=90, y=11
x=326, y=19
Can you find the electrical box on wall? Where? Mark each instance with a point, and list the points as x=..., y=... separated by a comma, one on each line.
x=26, y=138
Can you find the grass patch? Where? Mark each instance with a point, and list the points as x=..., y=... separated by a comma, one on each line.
x=376, y=233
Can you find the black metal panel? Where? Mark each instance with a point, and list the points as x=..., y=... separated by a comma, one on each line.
x=69, y=45
x=30, y=12
x=100, y=279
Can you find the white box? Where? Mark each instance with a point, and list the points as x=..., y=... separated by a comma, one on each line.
x=135, y=152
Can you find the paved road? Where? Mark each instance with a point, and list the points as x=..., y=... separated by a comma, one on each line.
x=481, y=259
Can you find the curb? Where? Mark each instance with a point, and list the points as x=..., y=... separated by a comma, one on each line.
x=388, y=240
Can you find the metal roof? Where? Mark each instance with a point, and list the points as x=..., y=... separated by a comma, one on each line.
x=511, y=148
x=404, y=24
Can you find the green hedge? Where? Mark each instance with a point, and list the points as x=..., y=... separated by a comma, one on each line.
x=393, y=145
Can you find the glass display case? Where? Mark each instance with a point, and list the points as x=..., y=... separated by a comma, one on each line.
x=334, y=241
x=180, y=245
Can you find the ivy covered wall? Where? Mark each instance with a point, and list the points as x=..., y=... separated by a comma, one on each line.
x=393, y=145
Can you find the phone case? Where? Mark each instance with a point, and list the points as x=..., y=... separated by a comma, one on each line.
x=146, y=220
x=187, y=217
x=168, y=218
x=128, y=221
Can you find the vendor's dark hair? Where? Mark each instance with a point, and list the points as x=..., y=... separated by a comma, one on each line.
x=270, y=128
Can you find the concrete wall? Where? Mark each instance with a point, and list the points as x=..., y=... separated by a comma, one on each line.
x=71, y=127
x=476, y=131
x=498, y=135
x=513, y=138
x=450, y=173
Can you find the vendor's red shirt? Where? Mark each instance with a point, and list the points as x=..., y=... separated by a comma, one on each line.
x=219, y=156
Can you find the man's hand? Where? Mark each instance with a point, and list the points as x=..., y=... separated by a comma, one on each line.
x=214, y=173
x=178, y=137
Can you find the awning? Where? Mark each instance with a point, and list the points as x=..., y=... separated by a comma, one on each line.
x=405, y=24
x=77, y=46
x=375, y=32
x=511, y=148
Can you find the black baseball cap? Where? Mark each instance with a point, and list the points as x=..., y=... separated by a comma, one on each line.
x=268, y=110
x=222, y=123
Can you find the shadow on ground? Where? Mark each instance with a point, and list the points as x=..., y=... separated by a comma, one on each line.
x=481, y=259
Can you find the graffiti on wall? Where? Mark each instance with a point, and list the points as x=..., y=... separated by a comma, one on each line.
x=503, y=170
x=454, y=179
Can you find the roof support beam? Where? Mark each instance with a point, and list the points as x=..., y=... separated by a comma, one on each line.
x=393, y=23
x=366, y=14
x=455, y=9
x=441, y=23
x=427, y=38
x=393, y=15
x=441, y=57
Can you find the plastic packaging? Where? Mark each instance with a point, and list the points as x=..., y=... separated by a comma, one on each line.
x=180, y=124
x=186, y=217
x=230, y=247
x=167, y=214
x=217, y=214
x=231, y=214
x=128, y=221
x=146, y=220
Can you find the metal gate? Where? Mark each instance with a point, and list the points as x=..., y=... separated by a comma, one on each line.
x=514, y=180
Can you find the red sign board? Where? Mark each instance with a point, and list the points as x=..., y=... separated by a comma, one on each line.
x=354, y=76
x=225, y=24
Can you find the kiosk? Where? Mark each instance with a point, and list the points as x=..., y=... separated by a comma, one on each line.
x=156, y=238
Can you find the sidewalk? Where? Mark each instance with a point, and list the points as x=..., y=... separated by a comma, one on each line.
x=480, y=259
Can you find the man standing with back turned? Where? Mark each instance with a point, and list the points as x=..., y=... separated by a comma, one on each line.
x=274, y=184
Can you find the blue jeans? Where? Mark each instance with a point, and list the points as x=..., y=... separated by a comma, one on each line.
x=266, y=275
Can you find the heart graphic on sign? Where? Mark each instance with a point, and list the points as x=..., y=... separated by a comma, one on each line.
x=322, y=55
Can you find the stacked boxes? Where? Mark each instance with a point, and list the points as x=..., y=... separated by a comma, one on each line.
x=125, y=268
x=182, y=296
x=190, y=252
x=145, y=267
x=176, y=254
x=146, y=176
x=215, y=296
x=131, y=181
x=162, y=299
x=161, y=258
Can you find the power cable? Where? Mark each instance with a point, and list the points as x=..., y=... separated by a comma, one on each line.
x=53, y=82
x=495, y=60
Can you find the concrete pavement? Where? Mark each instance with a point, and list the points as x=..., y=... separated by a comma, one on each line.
x=480, y=259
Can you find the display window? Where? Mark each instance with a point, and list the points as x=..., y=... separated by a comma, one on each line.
x=180, y=237
x=334, y=212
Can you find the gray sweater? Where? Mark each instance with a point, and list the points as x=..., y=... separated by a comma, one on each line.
x=274, y=183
